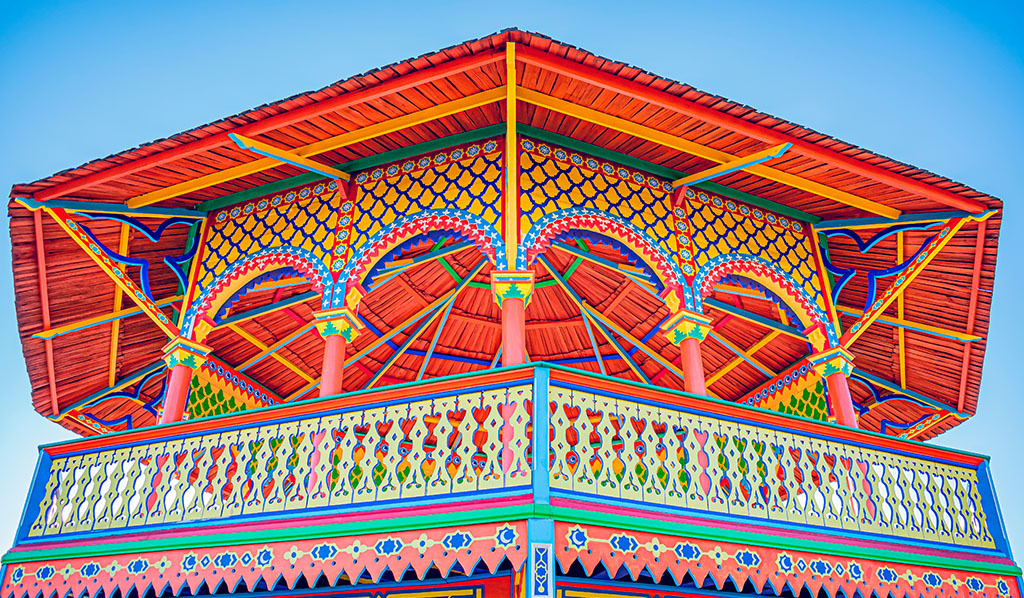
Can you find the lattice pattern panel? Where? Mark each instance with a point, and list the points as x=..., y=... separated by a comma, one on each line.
x=217, y=389
x=723, y=227
x=302, y=218
x=418, y=450
x=554, y=180
x=622, y=449
x=460, y=183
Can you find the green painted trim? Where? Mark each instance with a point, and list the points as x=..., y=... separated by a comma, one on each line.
x=299, y=532
x=479, y=285
x=354, y=166
x=451, y=271
x=709, y=532
x=665, y=173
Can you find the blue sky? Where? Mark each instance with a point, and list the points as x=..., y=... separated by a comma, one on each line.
x=939, y=85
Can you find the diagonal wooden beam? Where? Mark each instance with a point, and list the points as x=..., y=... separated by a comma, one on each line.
x=400, y=327
x=331, y=143
x=267, y=309
x=597, y=323
x=288, y=157
x=753, y=318
x=728, y=367
x=744, y=355
x=98, y=320
x=433, y=342
x=398, y=84
x=613, y=83
x=732, y=166
x=438, y=310
x=684, y=145
x=111, y=267
x=925, y=255
x=639, y=344
x=265, y=348
x=115, y=326
x=272, y=349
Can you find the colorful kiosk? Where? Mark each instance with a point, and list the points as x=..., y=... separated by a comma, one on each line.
x=507, y=319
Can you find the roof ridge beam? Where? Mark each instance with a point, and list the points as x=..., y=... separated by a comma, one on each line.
x=617, y=84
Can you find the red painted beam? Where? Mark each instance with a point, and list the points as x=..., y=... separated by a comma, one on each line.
x=44, y=299
x=398, y=84
x=979, y=251
x=611, y=82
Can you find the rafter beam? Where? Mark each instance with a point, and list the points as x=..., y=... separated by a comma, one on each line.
x=921, y=218
x=284, y=119
x=111, y=268
x=267, y=309
x=564, y=284
x=614, y=83
x=684, y=145
x=972, y=310
x=904, y=324
x=288, y=157
x=115, y=326
x=99, y=207
x=750, y=316
x=252, y=340
x=44, y=300
x=331, y=143
x=438, y=310
x=100, y=395
x=728, y=367
x=639, y=344
x=732, y=166
x=430, y=307
x=635, y=274
x=98, y=320
x=272, y=349
x=902, y=281
x=742, y=354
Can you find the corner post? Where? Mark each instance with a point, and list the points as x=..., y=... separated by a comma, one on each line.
x=688, y=329
x=181, y=356
x=835, y=365
x=512, y=291
x=338, y=327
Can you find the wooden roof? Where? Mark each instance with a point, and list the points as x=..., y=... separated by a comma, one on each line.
x=954, y=292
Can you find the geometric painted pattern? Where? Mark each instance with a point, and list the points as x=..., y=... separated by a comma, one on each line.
x=344, y=560
x=776, y=571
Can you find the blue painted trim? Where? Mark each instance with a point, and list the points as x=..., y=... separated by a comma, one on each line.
x=780, y=150
x=541, y=425
x=100, y=207
x=769, y=523
x=990, y=505
x=37, y=489
x=739, y=354
x=433, y=342
x=258, y=311
x=135, y=312
x=243, y=145
x=647, y=336
x=921, y=218
x=907, y=326
x=713, y=414
x=742, y=313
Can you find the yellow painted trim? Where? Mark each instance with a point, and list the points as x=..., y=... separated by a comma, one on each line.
x=901, y=332
x=287, y=156
x=167, y=329
x=732, y=347
x=511, y=212
x=684, y=145
x=737, y=164
x=262, y=347
x=738, y=360
x=115, y=326
x=961, y=336
x=331, y=143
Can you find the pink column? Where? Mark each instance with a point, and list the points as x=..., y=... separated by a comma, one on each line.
x=692, y=366
x=333, y=375
x=840, y=400
x=513, y=332
x=176, y=394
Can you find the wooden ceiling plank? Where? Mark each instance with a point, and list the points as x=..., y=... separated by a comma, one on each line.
x=690, y=147
x=395, y=85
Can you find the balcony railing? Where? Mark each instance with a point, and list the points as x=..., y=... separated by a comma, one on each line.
x=603, y=440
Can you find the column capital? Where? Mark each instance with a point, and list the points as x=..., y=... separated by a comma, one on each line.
x=832, y=361
x=685, y=324
x=512, y=284
x=181, y=351
x=340, y=321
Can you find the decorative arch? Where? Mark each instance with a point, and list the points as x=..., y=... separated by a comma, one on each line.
x=470, y=226
x=771, y=278
x=548, y=228
x=226, y=286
